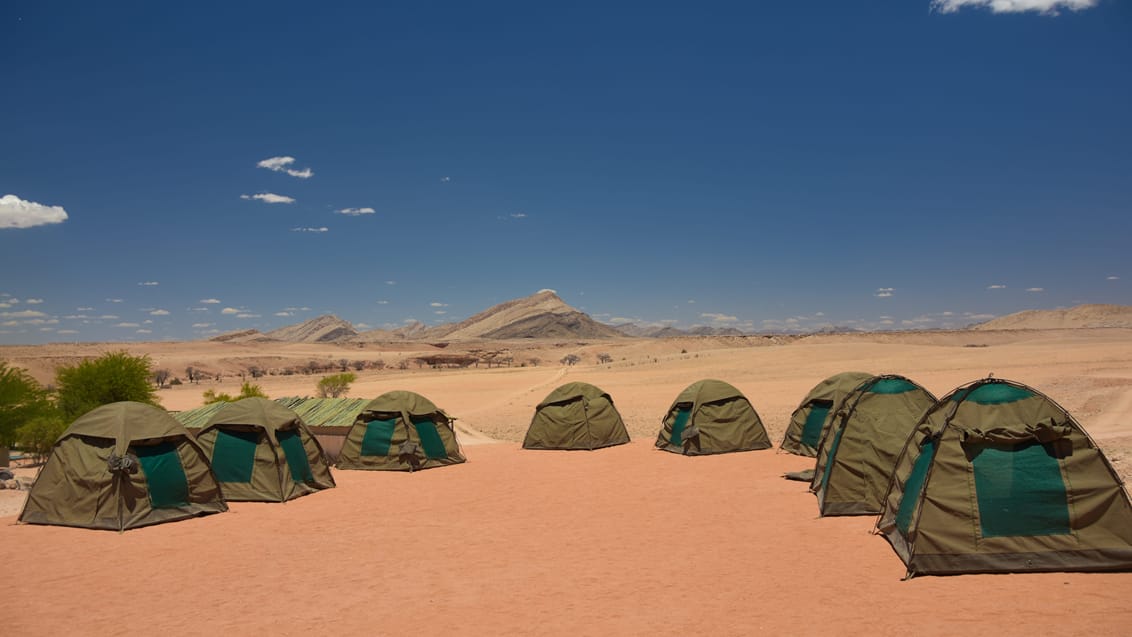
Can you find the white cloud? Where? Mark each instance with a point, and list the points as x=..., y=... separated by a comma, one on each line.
x=246, y=315
x=719, y=318
x=17, y=213
x=318, y=230
x=519, y=215
x=1112, y=278
x=884, y=292
x=996, y=286
x=445, y=180
x=22, y=314
x=1035, y=289
x=230, y=310
x=356, y=211
x=436, y=304
x=33, y=301
x=440, y=312
x=390, y=283
x=5, y=305
x=210, y=301
x=148, y=284
x=201, y=325
x=282, y=165
x=128, y=325
x=159, y=312
x=144, y=332
x=84, y=309
x=108, y=317
x=113, y=300
x=1047, y=7
x=269, y=197
x=383, y=302
x=284, y=314
x=67, y=332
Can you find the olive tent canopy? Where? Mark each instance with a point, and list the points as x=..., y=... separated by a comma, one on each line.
x=400, y=431
x=576, y=416
x=997, y=478
x=710, y=416
x=811, y=419
x=122, y=466
x=262, y=451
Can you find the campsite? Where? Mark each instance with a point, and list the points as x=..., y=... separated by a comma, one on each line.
x=619, y=540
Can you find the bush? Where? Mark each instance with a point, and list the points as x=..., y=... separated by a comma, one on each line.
x=335, y=385
x=112, y=377
x=39, y=434
x=21, y=400
x=247, y=390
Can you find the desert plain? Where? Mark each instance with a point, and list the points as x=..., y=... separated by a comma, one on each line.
x=621, y=541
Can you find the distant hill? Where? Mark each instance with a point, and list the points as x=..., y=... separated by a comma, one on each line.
x=661, y=331
x=1081, y=316
x=541, y=315
x=323, y=329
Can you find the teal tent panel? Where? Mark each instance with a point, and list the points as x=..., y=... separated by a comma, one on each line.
x=994, y=394
x=233, y=455
x=378, y=437
x=815, y=420
x=1020, y=491
x=682, y=415
x=832, y=456
x=430, y=439
x=913, y=486
x=164, y=475
x=891, y=386
x=296, y=454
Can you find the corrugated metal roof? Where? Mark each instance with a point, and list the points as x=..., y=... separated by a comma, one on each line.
x=316, y=412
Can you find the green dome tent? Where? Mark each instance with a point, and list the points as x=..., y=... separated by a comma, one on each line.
x=811, y=419
x=998, y=478
x=400, y=431
x=262, y=451
x=708, y=417
x=576, y=416
x=122, y=466
x=859, y=450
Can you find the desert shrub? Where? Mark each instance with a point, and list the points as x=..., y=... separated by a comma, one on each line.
x=335, y=385
x=247, y=390
x=21, y=400
x=110, y=378
x=39, y=434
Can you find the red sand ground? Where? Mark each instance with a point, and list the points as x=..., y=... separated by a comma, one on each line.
x=621, y=541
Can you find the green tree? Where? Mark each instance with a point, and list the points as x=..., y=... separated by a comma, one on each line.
x=335, y=385
x=39, y=434
x=247, y=390
x=112, y=377
x=21, y=400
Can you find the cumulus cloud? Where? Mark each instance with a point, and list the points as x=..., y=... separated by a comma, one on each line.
x=283, y=165
x=437, y=304
x=317, y=230
x=996, y=286
x=269, y=197
x=128, y=325
x=284, y=314
x=22, y=314
x=884, y=292
x=1046, y=7
x=230, y=310
x=354, y=212
x=445, y=180
x=33, y=301
x=147, y=284
x=210, y=301
x=1035, y=289
x=246, y=315
x=18, y=213
x=1112, y=278
x=719, y=318
x=159, y=312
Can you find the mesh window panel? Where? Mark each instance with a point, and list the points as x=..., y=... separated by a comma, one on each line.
x=815, y=420
x=1020, y=491
x=233, y=455
x=164, y=476
x=430, y=439
x=296, y=455
x=913, y=486
x=378, y=437
x=682, y=415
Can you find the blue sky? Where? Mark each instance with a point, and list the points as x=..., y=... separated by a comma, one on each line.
x=173, y=171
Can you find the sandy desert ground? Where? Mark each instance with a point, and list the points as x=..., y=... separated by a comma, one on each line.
x=622, y=541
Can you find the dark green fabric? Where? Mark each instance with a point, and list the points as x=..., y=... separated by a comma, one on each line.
x=430, y=439
x=993, y=394
x=831, y=457
x=1020, y=491
x=378, y=437
x=296, y=454
x=164, y=475
x=815, y=421
x=913, y=486
x=892, y=386
x=233, y=455
x=682, y=415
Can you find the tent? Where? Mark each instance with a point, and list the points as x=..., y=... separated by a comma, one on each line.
x=576, y=416
x=811, y=419
x=997, y=477
x=122, y=466
x=262, y=451
x=859, y=450
x=711, y=416
x=400, y=431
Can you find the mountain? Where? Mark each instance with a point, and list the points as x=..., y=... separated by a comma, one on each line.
x=660, y=331
x=541, y=315
x=1075, y=317
x=323, y=329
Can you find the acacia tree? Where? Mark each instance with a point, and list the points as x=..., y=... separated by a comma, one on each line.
x=335, y=385
x=161, y=377
x=112, y=377
x=570, y=359
x=22, y=400
x=604, y=358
